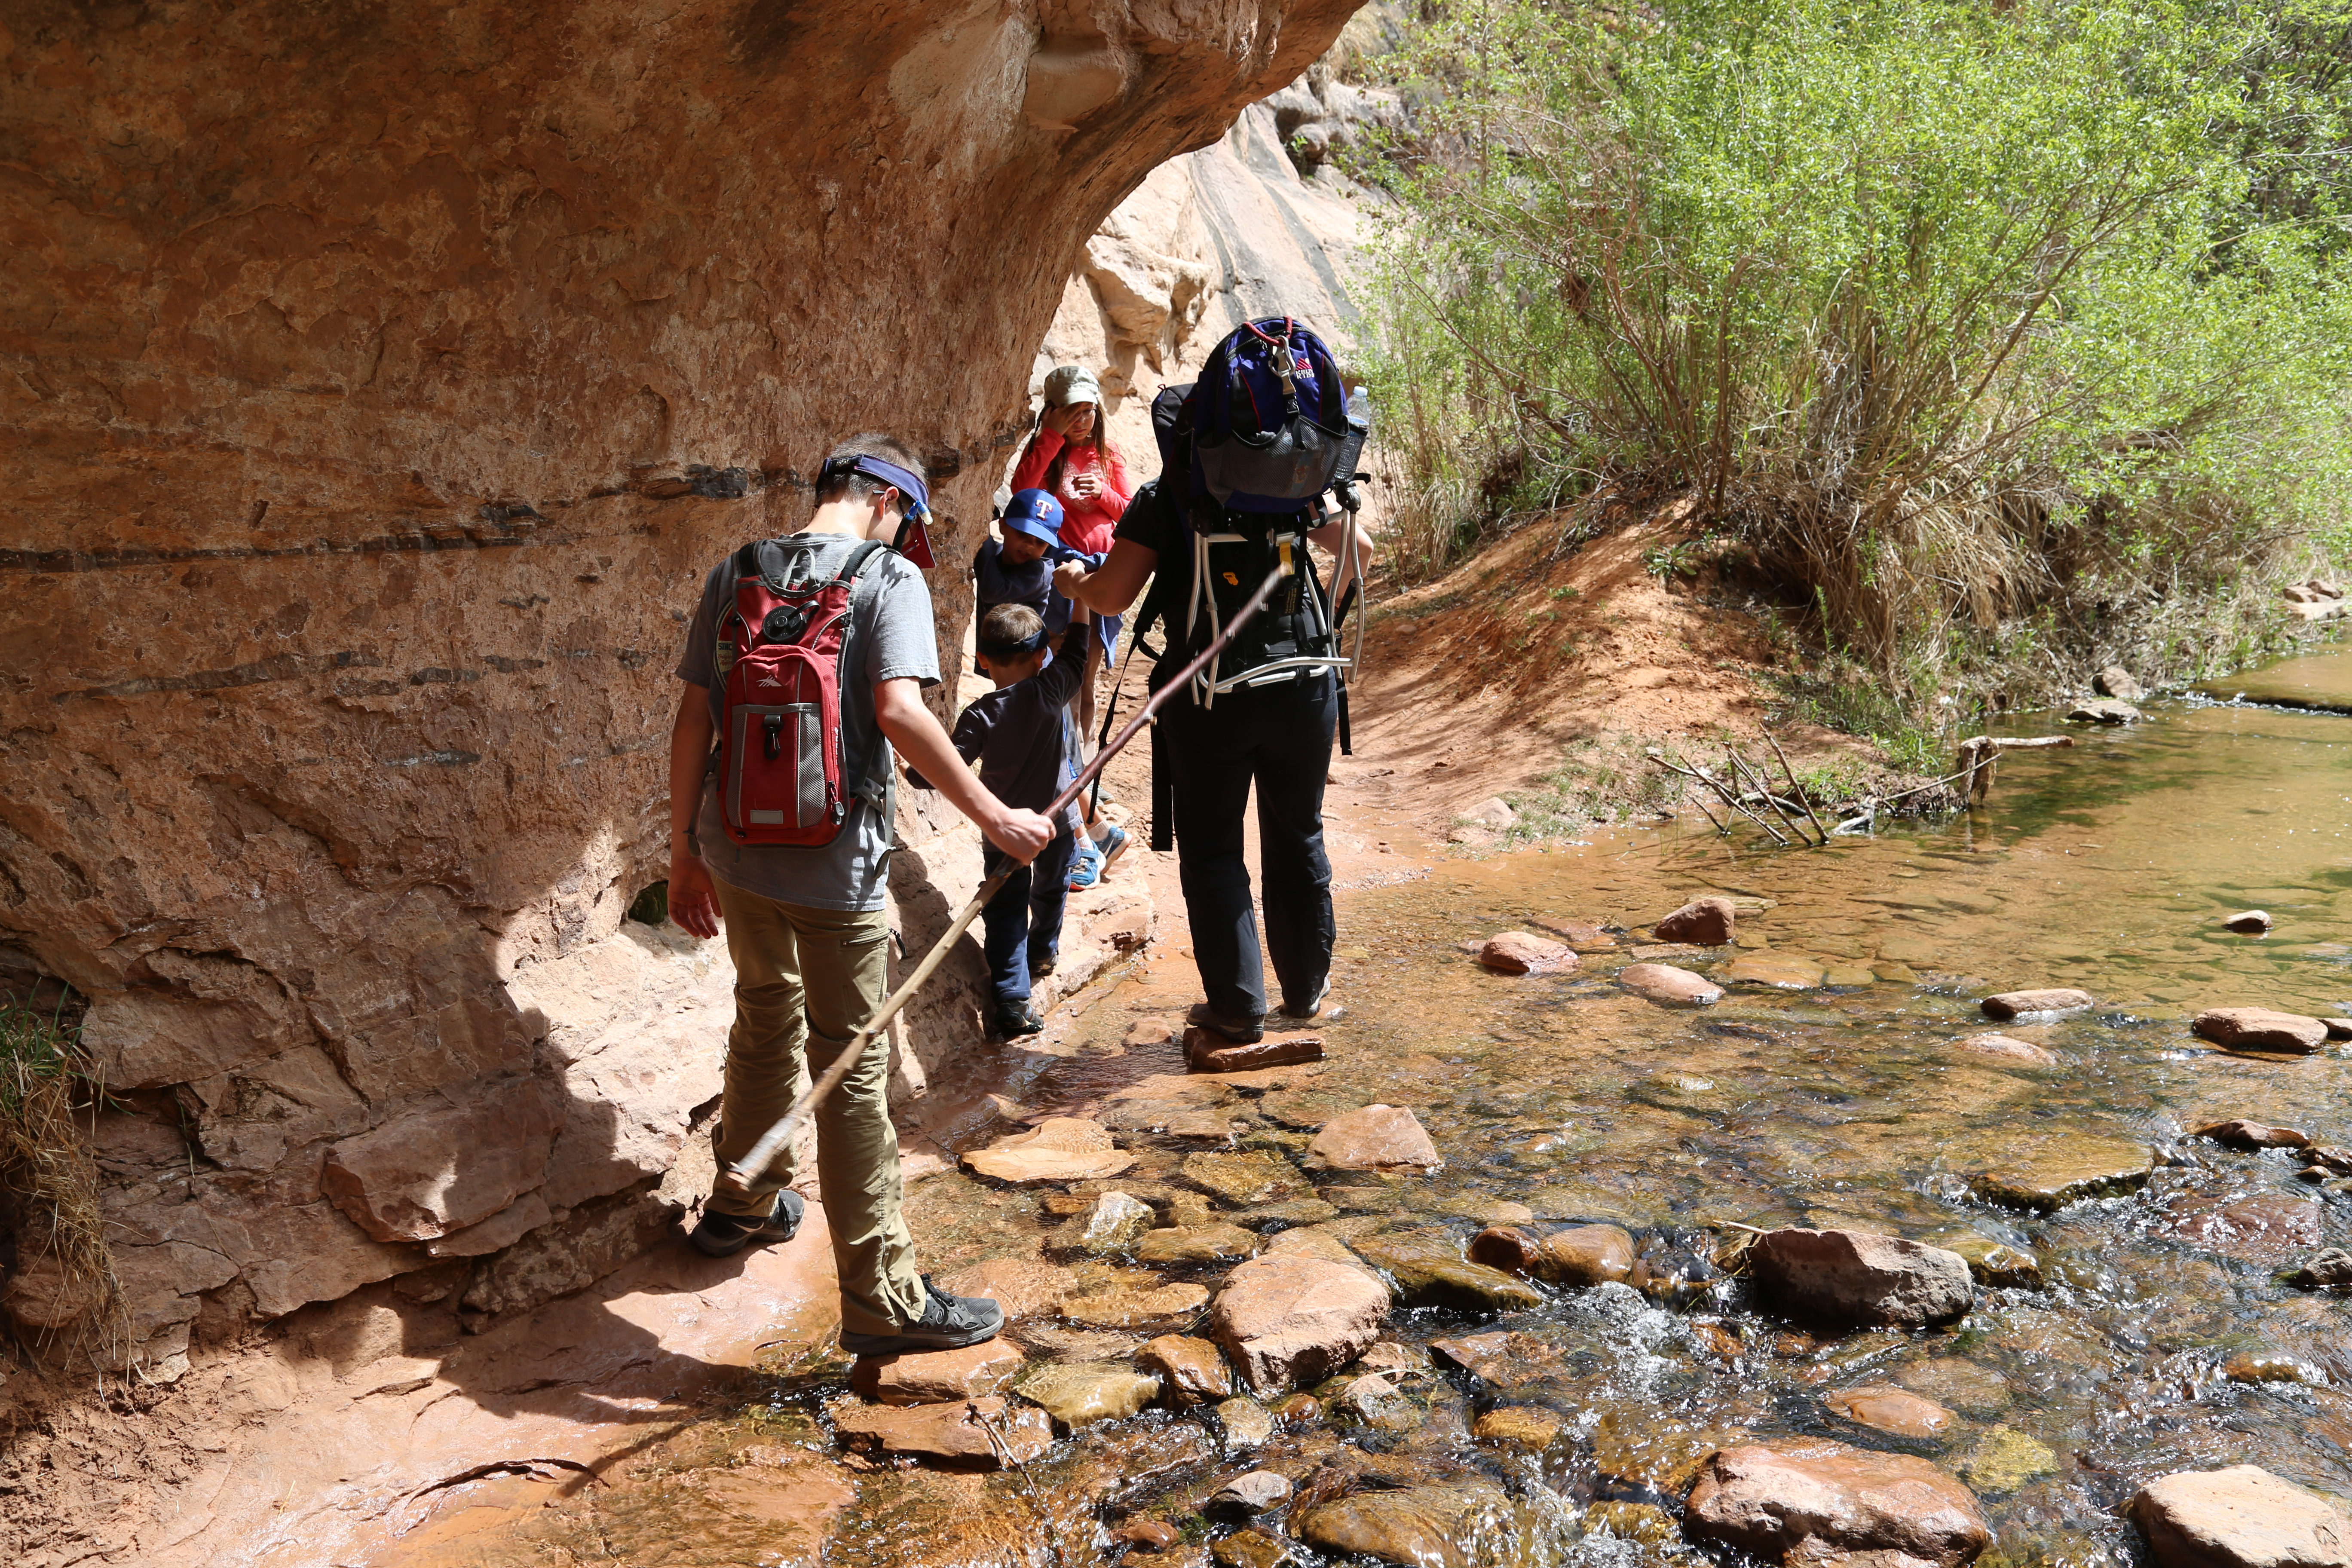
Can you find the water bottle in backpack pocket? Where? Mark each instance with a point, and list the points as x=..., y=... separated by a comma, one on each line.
x=783, y=644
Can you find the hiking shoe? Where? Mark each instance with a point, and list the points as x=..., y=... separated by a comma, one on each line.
x=1039, y=969
x=1113, y=846
x=949, y=1322
x=1312, y=1008
x=1014, y=1019
x=724, y=1234
x=1085, y=865
x=1241, y=1031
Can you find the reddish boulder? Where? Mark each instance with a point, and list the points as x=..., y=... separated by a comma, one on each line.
x=936, y=1377
x=1205, y=1051
x=1573, y=1255
x=2260, y=1029
x=1669, y=986
x=1703, y=922
x=1519, y=952
x=1889, y=1409
x=1287, y=1319
x=1859, y=1277
x=1377, y=1138
x=1190, y=1371
x=2244, y=1517
x=1818, y=1502
x=2012, y=1005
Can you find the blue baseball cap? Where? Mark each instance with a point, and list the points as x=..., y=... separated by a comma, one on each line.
x=1036, y=513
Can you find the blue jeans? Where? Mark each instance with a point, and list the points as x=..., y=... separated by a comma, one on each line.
x=1023, y=922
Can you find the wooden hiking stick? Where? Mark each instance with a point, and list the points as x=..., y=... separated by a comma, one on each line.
x=738, y=1178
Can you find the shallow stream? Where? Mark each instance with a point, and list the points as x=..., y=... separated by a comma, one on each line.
x=1835, y=1098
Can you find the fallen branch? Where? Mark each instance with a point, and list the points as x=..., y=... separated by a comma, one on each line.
x=1979, y=758
x=1795, y=788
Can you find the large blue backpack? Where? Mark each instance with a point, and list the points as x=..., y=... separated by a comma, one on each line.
x=1269, y=422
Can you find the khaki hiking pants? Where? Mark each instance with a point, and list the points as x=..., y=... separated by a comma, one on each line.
x=805, y=982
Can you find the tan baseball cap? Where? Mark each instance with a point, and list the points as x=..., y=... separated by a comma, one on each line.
x=1067, y=384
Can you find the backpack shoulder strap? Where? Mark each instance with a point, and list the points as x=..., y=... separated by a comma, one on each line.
x=860, y=782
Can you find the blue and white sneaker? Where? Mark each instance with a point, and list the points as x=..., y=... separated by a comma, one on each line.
x=1113, y=846
x=1085, y=865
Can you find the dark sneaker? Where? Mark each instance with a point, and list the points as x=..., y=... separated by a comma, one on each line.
x=1311, y=1009
x=1113, y=845
x=1040, y=968
x=949, y=1322
x=724, y=1234
x=1241, y=1031
x=1013, y=1019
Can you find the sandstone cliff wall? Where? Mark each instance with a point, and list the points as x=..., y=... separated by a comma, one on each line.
x=380, y=381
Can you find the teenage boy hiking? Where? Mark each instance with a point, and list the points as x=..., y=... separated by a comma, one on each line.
x=784, y=834
x=1026, y=744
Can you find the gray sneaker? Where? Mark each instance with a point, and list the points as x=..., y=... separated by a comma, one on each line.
x=725, y=1235
x=949, y=1322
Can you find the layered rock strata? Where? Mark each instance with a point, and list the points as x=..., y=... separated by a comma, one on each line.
x=381, y=384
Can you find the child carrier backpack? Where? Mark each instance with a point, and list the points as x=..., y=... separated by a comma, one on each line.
x=1250, y=455
x=783, y=644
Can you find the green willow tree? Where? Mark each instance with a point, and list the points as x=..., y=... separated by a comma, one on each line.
x=1985, y=325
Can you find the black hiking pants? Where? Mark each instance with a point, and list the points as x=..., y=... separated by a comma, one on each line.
x=1277, y=738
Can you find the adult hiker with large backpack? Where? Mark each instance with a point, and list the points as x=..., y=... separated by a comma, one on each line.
x=802, y=667
x=1252, y=457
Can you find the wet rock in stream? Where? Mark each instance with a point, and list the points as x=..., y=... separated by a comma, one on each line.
x=2244, y=1517
x=1024, y=1287
x=2248, y=922
x=1558, y=1254
x=2010, y=1005
x=1255, y=1491
x=1858, y=1277
x=1207, y=1051
x=1376, y=1137
x=1238, y=1181
x=1429, y=1271
x=1818, y=1502
x=1190, y=1371
x=2005, y=1048
x=1708, y=921
x=2102, y=711
x=1669, y=986
x=1059, y=1149
x=1418, y=1527
x=2046, y=1175
x=1288, y=1319
x=2251, y=1136
x=1777, y=971
x=2323, y=1270
x=1111, y=1227
x=1246, y=1422
x=1201, y=1244
x=2259, y=1029
x=931, y=1377
x=983, y=1431
x=1155, y=1311
x=1082, y=1394
x=1523, y=953
x=1887, y=1409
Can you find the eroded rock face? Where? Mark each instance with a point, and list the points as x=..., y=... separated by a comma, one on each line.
x=403, y=441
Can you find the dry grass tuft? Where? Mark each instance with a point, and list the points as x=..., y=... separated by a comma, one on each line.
x=65, y=1296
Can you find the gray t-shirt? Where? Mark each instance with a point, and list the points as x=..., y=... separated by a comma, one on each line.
x=892, y=637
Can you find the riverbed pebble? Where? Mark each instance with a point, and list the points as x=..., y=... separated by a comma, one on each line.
x=1669, y=986
x=1199, y=1244
x=1519, y=1425
x=2240, y=1134
x=2004, y=1459
x=1253, y=1492
x=2006, y=1048
x=2338, y=1029
x=2242, y=1517
x=2010, y=1005
x=1860, y=1277
x=1816, y=1501
x=2046, y=1174
x=1112, y=1226
x=1575, y=1255
x=1246, y=1424
x=2259, y=1029
x=1376, y=1137
x=2102, y=711
x=1086, y=1394
x=1522, y=953
x=1418, y=1527
x=1240, y=1180
x=1885, y=1408
x=2323, y=1270
x=2249, y=923
x=1154, y=1311
x=1777, y=970
x=1286, y=1320
x=1190, y=1371
x=1059, y=1149
x=1024, y=1287
x=1430, y=1272
x=1703, y=922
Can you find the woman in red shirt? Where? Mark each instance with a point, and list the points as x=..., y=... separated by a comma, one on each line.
x=1071, y=456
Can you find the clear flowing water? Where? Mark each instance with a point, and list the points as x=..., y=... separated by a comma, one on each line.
x=1847, y=1102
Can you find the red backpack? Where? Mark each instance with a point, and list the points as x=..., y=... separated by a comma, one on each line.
x=781, y=649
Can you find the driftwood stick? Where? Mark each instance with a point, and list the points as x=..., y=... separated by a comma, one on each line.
x=1747, y=771
x=1721, y=793
x=1795, y=788
x=1740, y=805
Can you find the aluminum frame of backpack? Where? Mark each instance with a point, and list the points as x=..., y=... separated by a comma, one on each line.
x=1285, y=475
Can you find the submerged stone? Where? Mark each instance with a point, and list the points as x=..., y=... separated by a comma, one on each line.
x=1429, y=1272
x=2004, y=1459
x=1112, y=1226
x=1246, y=1423
x=1801, y=1502
x=1418, y=1527
x=2047, y=1177
x=1376, y=1137
x=985, y=1431
x=1241, y=1180
x=1086, y=1393
x=1024, y=1287
x=1895, y=1410
x=1780, y=970
x=2259, y=1029
x=2004, y=1048
x=1204, y=1244
x=1519, y=1425
x=1669, y=986
x=1153, y=1311
x=1994, y=1262
x=1059, y=1149
x=1859, y=1277
x=2010, y=1005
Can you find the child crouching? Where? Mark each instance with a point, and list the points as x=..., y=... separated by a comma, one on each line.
x=1023, y=736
